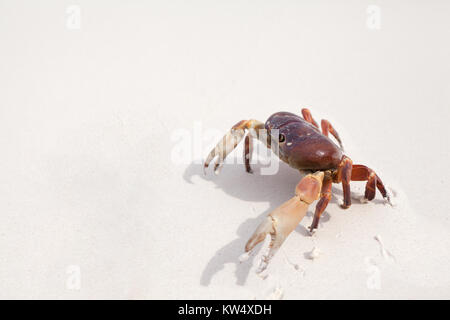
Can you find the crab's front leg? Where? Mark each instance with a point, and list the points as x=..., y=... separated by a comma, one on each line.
x=283, y=220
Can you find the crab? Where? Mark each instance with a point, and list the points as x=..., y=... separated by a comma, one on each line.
x=298, y=142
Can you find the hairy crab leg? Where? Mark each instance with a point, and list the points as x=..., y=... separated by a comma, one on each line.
x=363, y=173
x=229, y=142
x=283, y=220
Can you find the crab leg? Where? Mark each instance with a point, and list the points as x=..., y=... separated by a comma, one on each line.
x=229, y=142
x=344, y=175
x=325, y=197
x=248, y=151
x=283, y=220
x=328, y=128
x=363, y=173
x=325, y=124
x=308, y=117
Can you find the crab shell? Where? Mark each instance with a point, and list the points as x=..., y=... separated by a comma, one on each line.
x=303, y=146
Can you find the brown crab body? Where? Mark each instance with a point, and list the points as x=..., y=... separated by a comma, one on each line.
x=301, y=144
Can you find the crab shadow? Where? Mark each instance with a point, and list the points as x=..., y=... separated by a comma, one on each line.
x=236, y=182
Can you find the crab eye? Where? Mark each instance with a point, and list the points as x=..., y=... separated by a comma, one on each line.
x=281, y=138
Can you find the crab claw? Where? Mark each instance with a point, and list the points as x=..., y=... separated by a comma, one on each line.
x=229, y=142
x=223, y=148
x=283, y=220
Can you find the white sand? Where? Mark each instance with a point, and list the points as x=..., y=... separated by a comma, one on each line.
x=96, y=202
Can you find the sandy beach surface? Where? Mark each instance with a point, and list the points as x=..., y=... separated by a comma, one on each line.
x=108, y=108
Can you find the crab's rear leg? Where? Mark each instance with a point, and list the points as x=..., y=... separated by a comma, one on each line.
x=229, y=142
x=283, y=220
x=363, y=173
x=328, y=128
x=309, y=118
x=325, y=124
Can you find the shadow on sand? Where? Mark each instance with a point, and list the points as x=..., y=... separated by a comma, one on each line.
x=235, y=181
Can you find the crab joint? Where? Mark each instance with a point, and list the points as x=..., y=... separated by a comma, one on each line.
x=308, y=189
x=284, y=219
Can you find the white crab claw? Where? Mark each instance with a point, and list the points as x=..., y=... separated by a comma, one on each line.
x=279, y=224
x=223, y=148
x=283, y=220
